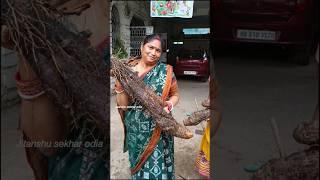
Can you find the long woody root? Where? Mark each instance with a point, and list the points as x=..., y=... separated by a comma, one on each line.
x=297, y=166
x=71, y=71
x=137, y=90
x=196, y=117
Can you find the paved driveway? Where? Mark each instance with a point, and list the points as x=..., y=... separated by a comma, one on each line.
x=257, y=84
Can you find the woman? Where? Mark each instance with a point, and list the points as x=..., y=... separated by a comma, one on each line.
x=150, y=156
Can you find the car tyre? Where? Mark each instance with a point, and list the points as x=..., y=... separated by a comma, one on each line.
x=302, y=57
x=204, y=79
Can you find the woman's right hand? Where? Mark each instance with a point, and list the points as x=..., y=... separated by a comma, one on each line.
x=121, y=97
x=118, y=87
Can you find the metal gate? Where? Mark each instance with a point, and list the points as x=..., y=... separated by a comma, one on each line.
x=137, y=33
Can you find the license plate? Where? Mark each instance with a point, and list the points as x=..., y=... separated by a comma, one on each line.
x=256, y=35
x=190, y=72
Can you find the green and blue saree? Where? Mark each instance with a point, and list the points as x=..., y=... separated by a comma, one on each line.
x=151, y=152
x=84, y=157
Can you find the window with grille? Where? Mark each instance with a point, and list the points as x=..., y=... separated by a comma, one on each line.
x=137, y=34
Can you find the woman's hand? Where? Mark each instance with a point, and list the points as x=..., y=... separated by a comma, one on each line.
x=118, y=87
x=168, y=106
x=122, y=98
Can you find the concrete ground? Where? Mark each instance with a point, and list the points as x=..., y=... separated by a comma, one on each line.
x=191, y=91
x=257, y=84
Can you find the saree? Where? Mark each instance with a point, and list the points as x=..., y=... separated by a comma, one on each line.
x=203, y=158
x=81, y=158
x=151, y=152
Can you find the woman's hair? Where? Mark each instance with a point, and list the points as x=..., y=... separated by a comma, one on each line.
x=152, y=37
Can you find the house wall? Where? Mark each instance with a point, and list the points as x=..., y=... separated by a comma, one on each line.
x=128, y=9
x=8, y=68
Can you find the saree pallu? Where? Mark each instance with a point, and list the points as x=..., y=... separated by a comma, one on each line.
x=151, y=152
x=76, y=160
x=80, y=158
x=203, y=158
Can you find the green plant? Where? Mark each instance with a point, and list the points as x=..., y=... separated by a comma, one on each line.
x=119, y=50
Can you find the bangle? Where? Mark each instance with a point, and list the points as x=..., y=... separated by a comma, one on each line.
x=171, y=105
x=119, y=92
x=118, y=88
x=29, y=97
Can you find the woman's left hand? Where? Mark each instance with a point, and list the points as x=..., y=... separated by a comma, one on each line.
x=168, y=107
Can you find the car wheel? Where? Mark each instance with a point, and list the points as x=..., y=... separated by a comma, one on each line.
x=204, y=79
x=302, y=57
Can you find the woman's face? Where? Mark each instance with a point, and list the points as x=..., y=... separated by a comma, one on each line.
x=151, y=51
